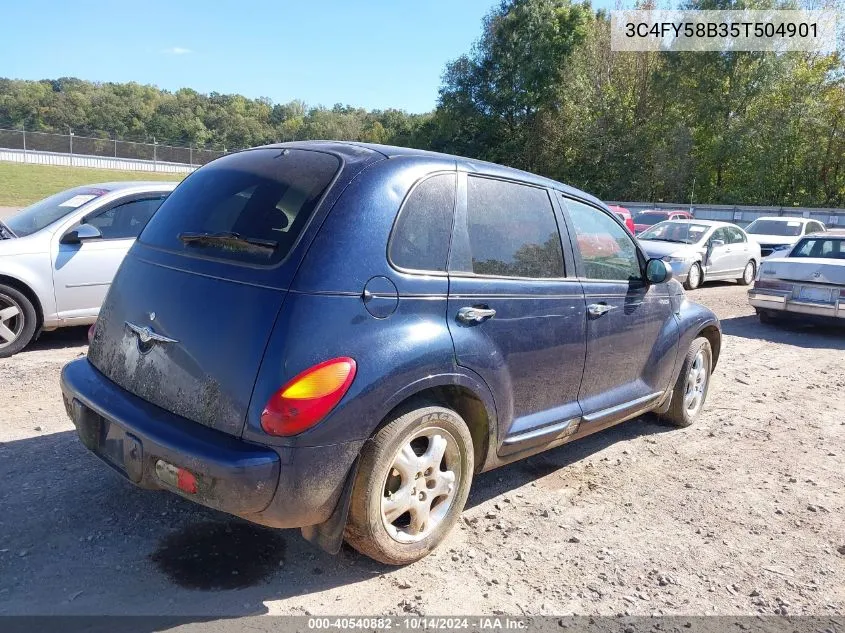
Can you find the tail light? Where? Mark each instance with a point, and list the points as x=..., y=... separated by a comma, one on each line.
x=771, y=284
x=308, y=398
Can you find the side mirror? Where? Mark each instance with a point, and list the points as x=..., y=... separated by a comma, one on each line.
x=716, y=243
x=81, y=233
x=657, y=271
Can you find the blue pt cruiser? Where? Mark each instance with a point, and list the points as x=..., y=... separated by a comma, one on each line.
x=339, y=336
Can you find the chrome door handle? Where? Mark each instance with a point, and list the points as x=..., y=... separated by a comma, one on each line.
x=598, y=309
x=475, y=315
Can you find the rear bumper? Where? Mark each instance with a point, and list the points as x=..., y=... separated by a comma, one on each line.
x=782, y=302
x=282, y=487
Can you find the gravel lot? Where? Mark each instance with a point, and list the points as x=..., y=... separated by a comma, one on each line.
x=742, y=513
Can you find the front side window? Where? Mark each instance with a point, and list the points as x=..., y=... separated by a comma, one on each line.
x=512, y=230
x=248, y=207
x=721, y=235
x=126, y=221
x=735, y=236
x=607, y=250
x=420, y=240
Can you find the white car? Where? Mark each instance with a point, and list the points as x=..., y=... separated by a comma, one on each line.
x=703, y=250
x=807, y=281
x=58, y=257
x=776, y=232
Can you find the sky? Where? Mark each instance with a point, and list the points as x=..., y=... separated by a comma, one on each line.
x=367, y=53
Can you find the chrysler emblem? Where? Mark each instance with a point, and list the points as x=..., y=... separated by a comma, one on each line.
x=147, y=335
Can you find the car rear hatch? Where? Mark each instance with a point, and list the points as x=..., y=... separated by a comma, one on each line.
x=189, y=314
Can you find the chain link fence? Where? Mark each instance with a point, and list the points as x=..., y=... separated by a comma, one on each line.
x=105, y=148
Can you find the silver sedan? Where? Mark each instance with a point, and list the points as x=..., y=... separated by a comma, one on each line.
x=59, y=256
x=703, y=250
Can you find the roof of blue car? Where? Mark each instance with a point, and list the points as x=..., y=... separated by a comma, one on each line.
x=393, y=151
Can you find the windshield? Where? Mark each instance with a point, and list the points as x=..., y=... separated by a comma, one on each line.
x=42, y=214
x=649, y=217
x=683, y=232
x=823, y=247
x=783, y=228
x=248, y=207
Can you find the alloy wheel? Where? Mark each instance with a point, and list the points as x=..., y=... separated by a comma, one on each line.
x=420, y=486
x=696, y=384
x=11, y=320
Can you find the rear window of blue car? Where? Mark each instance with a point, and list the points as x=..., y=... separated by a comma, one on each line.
x=249, y=207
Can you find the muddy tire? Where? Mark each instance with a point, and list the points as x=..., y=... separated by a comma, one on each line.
x=690, y=391
x=748, y=274
x=694, y=277
x=411, y=486
x=18, y=321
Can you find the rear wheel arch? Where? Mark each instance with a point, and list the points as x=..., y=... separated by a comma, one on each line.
x=461, y=399
x=29, y=293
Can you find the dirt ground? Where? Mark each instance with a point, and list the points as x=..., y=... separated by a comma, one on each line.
x=743, y=513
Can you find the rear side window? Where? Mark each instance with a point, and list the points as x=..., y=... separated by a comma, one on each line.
x=420, y=240
x=249, y=207
x=512, y=230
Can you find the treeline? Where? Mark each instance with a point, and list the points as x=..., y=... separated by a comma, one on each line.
x=540, y=90
x=131, y=111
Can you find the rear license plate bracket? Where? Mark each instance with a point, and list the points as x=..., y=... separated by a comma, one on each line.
x=816, y=295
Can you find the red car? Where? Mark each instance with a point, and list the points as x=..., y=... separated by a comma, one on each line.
x=650, y=217
x=624, y=215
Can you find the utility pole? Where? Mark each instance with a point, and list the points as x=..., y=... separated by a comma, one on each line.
x=23, y=131
x=691, y=195
x=71, y=146
x=155, y=157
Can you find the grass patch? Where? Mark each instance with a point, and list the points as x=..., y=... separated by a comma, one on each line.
x=22, y=184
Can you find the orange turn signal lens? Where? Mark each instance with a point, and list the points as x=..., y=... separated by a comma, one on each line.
x=308, y=398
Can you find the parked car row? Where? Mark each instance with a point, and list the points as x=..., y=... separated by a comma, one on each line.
x=58, y=257
x=339, y=336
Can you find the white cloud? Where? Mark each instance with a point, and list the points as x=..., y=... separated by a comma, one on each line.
x=177, y=50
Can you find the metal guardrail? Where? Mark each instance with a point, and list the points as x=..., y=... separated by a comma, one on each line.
x=72, y=144
x=96, y=162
